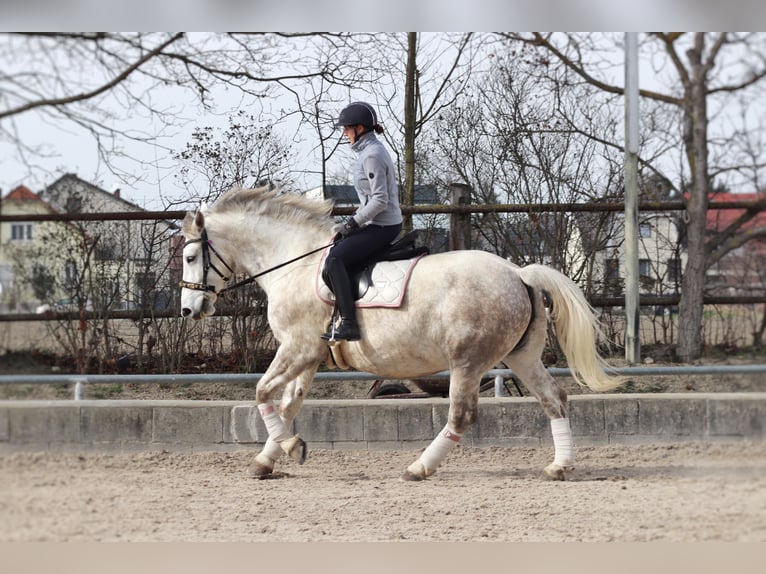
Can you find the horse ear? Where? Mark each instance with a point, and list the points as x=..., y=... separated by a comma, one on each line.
x=199, y=220
x=194, y=222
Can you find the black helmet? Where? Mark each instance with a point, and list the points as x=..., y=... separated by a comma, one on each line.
x=357, y=113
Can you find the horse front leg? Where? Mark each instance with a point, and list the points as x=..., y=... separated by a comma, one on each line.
x=296, y=377
x=292, y=399
x=464, y=402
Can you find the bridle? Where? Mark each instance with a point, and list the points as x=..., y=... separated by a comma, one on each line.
x=207, y=264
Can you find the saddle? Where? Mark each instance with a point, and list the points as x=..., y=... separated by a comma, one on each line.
x=362, y=279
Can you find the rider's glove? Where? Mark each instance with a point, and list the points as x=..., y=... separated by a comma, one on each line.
x=345, y=228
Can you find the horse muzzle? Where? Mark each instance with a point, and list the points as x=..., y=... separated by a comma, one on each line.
x=199, y=308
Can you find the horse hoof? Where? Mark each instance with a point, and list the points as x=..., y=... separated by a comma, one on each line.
x=556, y=472
x=412, y=477
x=416, y=472
x=258, y=470
x=296, y=449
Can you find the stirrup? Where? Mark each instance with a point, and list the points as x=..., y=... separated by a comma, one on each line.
x=329, y=335
x=346, y=331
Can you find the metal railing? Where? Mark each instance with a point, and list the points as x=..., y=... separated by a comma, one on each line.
x=79, y=381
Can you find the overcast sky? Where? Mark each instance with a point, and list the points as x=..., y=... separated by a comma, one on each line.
x=74, y=152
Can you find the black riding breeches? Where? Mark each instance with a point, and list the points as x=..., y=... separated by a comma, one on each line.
x=364, y=244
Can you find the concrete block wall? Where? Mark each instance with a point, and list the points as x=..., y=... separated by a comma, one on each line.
x=375, y=424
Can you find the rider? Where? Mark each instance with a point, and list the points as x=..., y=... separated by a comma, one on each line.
x=376, y=222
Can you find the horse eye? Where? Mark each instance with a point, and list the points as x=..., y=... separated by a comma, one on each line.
x=191, y=258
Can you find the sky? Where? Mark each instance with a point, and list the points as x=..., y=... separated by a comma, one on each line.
x=392, y=15
x=74, y=152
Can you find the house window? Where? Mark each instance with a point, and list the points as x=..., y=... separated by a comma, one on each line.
x=73, y=203
x=70, y=274
x=43, y=282
x=645, y=230
x=6, y=278
x=146, y=285
x=645, y=279
x=612, y=268
x=107, y=250
x=644, y=268
x=674, y=270
x=21, y=232
x=613, y=283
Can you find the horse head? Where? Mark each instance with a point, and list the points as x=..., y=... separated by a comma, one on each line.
x=200, y=287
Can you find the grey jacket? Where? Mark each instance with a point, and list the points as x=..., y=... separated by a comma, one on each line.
x=374, y=178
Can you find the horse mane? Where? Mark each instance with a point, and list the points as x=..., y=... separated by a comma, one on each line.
x=275, y=203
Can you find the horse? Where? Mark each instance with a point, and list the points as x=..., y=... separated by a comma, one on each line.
x=464, y=311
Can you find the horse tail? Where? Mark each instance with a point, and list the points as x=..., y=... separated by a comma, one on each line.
x=577, y=328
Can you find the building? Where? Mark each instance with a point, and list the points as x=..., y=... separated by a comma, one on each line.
x=102, y=265
x=742, y=271
x=22, y=253
x=660, y=255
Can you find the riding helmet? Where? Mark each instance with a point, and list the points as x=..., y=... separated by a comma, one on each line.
x=357, y=113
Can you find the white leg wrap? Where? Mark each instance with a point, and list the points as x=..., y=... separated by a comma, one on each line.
x=562, y=442
x=275, y=426
x=270, y=453
x=438, y=450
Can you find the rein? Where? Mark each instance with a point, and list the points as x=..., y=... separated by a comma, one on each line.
x=208, y=264
x=252, y=278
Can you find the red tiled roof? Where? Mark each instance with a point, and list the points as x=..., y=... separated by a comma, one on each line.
x=720, y=219
x=22, y=192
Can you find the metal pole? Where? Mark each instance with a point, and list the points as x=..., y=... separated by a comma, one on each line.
x=632, y=318
x=79, y=389
x=499, y=386
x=241, y=378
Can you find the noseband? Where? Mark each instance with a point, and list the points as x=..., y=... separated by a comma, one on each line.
x=207, y=264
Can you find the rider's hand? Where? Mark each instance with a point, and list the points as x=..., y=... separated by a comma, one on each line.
x=345, y=228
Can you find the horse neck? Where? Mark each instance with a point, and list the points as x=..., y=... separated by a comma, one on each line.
x=258, y=244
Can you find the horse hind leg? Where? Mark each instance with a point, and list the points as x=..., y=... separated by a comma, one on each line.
x=553, y=400
x=464, y=398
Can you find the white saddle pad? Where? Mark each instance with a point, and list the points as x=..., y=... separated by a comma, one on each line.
x=389, y=282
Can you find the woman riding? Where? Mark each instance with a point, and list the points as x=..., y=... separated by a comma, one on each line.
x=374, y=225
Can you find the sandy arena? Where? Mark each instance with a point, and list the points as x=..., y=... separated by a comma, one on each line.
x=688, y=492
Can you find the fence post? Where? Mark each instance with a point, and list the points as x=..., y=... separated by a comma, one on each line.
x=499, y=386
x=460, y=223
x=632, y=309
x=79, y=388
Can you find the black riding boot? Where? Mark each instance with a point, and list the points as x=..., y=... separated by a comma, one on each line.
x=337, y=275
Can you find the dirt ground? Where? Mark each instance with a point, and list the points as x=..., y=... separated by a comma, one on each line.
x=690, y=492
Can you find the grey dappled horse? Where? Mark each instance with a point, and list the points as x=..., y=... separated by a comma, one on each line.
x=464, y=311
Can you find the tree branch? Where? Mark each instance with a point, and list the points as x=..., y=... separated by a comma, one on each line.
x=100, y=90
x=578, y=68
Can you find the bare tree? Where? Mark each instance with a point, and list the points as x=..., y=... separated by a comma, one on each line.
x=100, y=83
x=246, y=153
x=508, y=140
x=707, y=69
x=419, y=76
